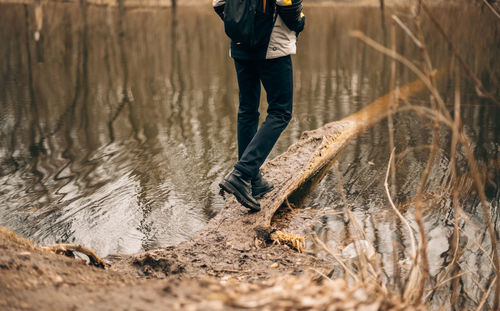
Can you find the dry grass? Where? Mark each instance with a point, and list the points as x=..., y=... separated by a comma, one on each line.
x=417, y=286
x=294, y=241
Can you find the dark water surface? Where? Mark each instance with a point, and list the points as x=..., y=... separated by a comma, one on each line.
x=116, y=125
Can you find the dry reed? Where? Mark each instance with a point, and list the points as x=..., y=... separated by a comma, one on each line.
x=438, y=113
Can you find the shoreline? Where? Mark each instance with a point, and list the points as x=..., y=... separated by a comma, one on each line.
x=34, y=278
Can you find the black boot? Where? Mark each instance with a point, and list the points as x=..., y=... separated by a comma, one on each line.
x=240, y=186
x=260, y=186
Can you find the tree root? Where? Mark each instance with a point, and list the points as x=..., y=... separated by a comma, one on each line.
x=69, y=249
x=297, y=242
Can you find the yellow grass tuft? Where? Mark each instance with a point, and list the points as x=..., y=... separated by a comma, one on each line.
x=297, y=242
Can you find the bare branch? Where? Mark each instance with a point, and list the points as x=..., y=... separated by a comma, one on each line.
x=403, y=219
x=485, y=296
x=339, y=260
x=408, y=31
x=491, y=8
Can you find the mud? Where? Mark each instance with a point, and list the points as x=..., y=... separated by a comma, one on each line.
x=37, y=279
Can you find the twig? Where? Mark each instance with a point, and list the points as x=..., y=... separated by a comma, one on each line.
x=479, y=246
x=492, y=8
x=485, y=296
x=445, y=118
x=478, y=285
x=464, y=140
x=429, y=113
x=442, y=283
x=288, y=205
x=322, y=274
x=392, y=105
x=339, y=260
x=413, y=273
x=407, y=30
x=427, y=68
x=484, y=206
x=456, y=203
x=410, y=230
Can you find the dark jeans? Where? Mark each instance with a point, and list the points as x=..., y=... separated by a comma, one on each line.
x=277, y=78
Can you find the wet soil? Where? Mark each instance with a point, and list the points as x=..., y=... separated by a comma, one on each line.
x=271, y=278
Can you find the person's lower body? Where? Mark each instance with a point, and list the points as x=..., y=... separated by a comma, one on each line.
x=255, y=144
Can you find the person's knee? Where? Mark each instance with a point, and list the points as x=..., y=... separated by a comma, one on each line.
x=287, y=116
x=281, y=116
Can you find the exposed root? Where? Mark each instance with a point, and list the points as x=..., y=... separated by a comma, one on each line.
x=69, y=249
x=297, y=242
x=283, y=216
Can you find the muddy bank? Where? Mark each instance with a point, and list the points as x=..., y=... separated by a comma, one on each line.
x=36, y=279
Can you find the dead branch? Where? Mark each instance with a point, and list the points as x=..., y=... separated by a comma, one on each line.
x=69, y=249
x=427, y=68
x=495, y=12
x=485, y=296
x=453, y=168
x=462, y=137
x=413, y=278
x=337, y=258
x=403, y=219
x=390, y=123
x=407, y=31
x=445, y=117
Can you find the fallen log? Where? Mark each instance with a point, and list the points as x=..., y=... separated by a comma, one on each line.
x=235, y=231
x=308, y=159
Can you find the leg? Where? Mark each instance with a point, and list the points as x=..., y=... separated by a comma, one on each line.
x=236, y=182
x=277, y=78
x=248, y=111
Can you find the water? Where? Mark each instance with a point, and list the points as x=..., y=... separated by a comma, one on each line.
x=116, y=125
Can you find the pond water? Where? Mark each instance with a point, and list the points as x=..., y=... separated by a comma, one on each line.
x=117, y=125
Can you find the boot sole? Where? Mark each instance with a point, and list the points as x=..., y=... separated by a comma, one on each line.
x=226, y=186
